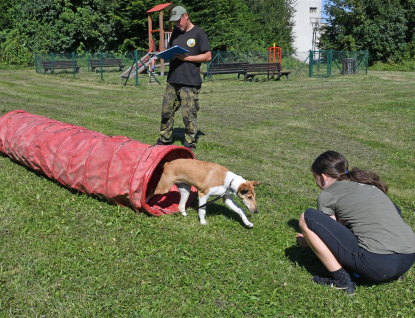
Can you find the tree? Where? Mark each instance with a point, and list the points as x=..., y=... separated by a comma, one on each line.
x=409, y=49
x=14, y=50
x=130, y=23
x=381, y=26
x=222, y=22
x=275, y=21
x=243, y=25
x=65, y=26
x=6, y=19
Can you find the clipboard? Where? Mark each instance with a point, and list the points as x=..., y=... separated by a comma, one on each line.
x=169, y=53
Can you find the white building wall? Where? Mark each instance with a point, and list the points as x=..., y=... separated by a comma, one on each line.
x=308, y=12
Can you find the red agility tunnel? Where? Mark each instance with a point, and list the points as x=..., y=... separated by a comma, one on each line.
x=117, y=168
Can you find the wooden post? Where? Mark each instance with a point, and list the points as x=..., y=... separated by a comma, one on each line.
x=100, y=66
x=161, y=41
x=150, y=29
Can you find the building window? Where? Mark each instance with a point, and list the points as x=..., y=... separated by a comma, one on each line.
x=313, y=9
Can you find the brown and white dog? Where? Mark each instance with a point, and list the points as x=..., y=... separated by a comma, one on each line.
x=209, y=179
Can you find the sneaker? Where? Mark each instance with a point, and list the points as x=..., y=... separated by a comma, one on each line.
x=327, y=281
x=159, y=142
x=191, y=147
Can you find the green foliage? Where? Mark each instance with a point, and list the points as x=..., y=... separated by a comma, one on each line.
x=130, y=24
x=121, y=25
x=64, y=26
x=405, y=65
x=274, y=19
x=14, y=50
x=6, y=19
x=384, y=27
x=243, y=25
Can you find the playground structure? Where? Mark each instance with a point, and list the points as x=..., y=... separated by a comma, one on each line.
x=274, y=54
x=139, y=65
x=143, y=63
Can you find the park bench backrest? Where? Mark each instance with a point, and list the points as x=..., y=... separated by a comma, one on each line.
x=106, y=62
x=225, y=67
x=59, y=64
x=262, y=67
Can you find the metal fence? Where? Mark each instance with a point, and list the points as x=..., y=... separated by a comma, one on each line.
x=104, y=67
x=290, y=60
x=332, y=63
x=312, y=63
x=127, y=69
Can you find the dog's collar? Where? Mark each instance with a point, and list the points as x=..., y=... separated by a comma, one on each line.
x=232, y=182
x=229, y=188
x=230, y=185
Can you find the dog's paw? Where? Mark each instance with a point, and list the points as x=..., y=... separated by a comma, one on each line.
x=250, y=225
x=203, y=222
x=184, y=213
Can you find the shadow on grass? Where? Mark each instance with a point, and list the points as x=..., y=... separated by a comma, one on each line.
x=215, y=209
x=178, y=135
x=306, y=258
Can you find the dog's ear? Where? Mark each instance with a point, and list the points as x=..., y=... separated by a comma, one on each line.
x=255, y=183
x=243, y=189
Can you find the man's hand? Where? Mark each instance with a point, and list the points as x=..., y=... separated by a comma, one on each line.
x=200, y=58
x=181, y=57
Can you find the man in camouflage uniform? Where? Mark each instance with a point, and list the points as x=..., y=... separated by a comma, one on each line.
x=183, y=80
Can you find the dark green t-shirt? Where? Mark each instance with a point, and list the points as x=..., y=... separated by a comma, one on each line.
x=196, y=42
x=370, y=214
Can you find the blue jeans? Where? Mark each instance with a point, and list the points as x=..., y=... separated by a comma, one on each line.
x=344, y=246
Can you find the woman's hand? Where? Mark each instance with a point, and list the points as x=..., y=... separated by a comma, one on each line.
x=301, y=240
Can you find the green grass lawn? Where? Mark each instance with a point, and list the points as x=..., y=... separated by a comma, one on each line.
x=65, y=254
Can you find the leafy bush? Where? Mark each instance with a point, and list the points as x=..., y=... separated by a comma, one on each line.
x=391, y=66
x=14, y=50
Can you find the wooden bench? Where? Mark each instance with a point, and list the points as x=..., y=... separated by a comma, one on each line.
x=96, y=64
x=55, y=65
x=223, y=68
x=269, y=69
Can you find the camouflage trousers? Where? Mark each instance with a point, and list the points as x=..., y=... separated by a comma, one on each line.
x=176, y=96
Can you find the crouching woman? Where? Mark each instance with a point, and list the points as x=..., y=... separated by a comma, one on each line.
x=356, y=228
